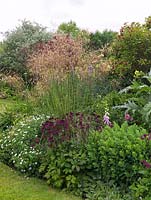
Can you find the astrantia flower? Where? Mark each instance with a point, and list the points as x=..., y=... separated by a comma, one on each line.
x=128, y=117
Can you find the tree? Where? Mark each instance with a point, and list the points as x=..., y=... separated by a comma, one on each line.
x=69, y=28
x=100, y=39
x=74, y=31
x=18, y=44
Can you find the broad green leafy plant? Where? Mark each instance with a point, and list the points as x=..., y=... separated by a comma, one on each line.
x=140, y=103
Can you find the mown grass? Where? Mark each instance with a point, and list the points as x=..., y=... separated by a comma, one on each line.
x=14, y=186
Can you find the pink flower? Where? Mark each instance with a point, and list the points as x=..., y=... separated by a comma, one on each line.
x=128, y=117
x=146, y=164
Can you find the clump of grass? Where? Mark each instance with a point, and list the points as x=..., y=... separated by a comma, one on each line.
x=63, y=96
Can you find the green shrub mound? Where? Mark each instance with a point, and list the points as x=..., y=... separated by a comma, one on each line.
x=121, y=151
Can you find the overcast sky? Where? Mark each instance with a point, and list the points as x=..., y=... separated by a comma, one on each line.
x=88, y=14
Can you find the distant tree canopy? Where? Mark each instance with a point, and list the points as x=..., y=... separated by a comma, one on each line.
x=100, y=39
x=18, y=44
x=69, y=28
x=74, y=31
x=94, y=41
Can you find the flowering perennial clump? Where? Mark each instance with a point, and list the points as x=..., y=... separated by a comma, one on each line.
x=73, y=125
x=17, y=147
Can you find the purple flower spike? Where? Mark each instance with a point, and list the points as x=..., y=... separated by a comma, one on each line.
x=106, y=119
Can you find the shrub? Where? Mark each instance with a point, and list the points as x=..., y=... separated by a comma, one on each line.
x=131, y=51
x=62, y=163
x=141, y=189
x=17, y=46
x=120, y=152
x=70, y=166
x=11, y=85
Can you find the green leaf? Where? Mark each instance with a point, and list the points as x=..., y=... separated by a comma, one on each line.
x=146, y=111
x=130, y=106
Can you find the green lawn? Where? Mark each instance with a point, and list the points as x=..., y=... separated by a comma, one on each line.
x=17, y=187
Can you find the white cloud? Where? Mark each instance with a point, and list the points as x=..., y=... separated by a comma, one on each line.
x=77, y=2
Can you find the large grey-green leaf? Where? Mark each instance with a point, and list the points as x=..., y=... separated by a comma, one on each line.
x=146, y=111
x=129, y=106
